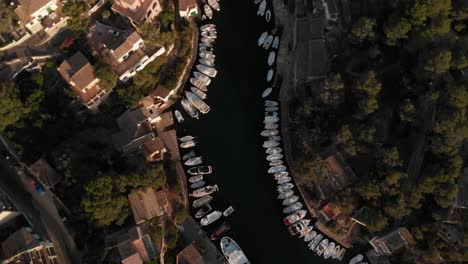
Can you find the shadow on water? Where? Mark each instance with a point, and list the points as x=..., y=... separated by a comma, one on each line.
x=229, y=140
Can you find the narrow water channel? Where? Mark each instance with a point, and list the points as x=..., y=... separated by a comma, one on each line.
x=229, y=140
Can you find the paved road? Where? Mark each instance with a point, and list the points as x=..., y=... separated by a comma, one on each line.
x=39, y=210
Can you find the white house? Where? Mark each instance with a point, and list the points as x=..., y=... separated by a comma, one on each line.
x=188, y=8
x=31, y=12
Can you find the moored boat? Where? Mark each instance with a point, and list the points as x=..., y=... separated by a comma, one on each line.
x=272, y=109
x=198, y=92
x=298, y=226
x=200, y=170
x=261, y=8
x=197, y=184
x=204, y=191
x=270, y=119
x=228, y=211
x=268, y=41
x=197, y=102
x=195, y=178
x=270, y=144
x=321, y=247
x=208, y=11
x=269, y=132
x=271, y=58
x=290, y=200
x=262, y=38
x=220, y=230
x=274, y=138
x=276, y=41
x=273, y=157
x=341, y=254
x=276, y=169
x=313, y=244
x=203, y=211
x=189, y=108
x=285, y=195
x=271, y=126
x=271, y=103
x=276, y=163
x=310, y=236
x=293, y=207
x=178, y=116
x=210, y=218
x=294, y=217
x=232, y=251
x=193, y=161
x=336, y=252
x=270, y=74
x=188, y=144
x=202, y=78
x=186, y=138
x=207, y=55
x=328, y=252
x=283, y=180
x=267, y=92
x=208, y=27
x=202, y=201
x=286, y=187
x=206, y=62
x=306, y=231
x=279, y=175
x=268, y=15
x=274, y=150
x=199, y=84
x=208, y=71
x=214, y=4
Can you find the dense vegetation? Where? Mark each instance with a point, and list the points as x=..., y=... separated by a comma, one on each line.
x=395, y=104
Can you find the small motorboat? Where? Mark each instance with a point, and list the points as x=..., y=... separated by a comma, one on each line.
x=200, y=170
x=206, y=62
x=197, y=184
x=228, y=211
x=208, y=71
x=204, y=191
x=198, y=92
x=267, y=92
x=272, y=114
x=262, y=38
x=210, y=34
x=268, y=41
x=268, y=15
x=207, y=55
x=270, y=144
x=321, y=247
x=274, y=138
x=197, y=102
x=290, y=200
x=273, y=157
x=356, y=259
x=336, y=252
x=197, y=161
x=285, y=195
x=306, y=231
x=313, y=244
x=261, y=8
x=276, y=163
x=284, y=180
x=189, y=155
x=269, y=132
x=220, y=230
x=210, y=218
x=294, y=217
x=310, y=236
x=276, y=169
x=202, y=201
x=341, y=254
x=186, y=138
x=214, y=4
x=188, y=144
x=328, y=252
x=271, y=103
x=280, y=175
x=292, y=208
x=270, y=119
x=270, y=74
x=298, y=226
x=199, y=84
x=286, y=187
x=271, y=126
x=271, y=58
x=208, y=11
x=207, y=40
x=208, y=27
x=274, y=150
x=203, y=211
x=275, y=44
x=189, y=108
x=178, y=116
x=271, y=108
x=195, y=178
x=232, y=251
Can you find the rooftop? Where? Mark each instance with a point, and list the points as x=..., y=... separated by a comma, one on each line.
x=190, y=255
x=135, y=10
x=26, y=8
x=187, y=4
x=147, y=205
x=77, y=71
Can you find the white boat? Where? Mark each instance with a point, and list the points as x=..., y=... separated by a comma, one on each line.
x=271, y=58
x=271, y=126
x=267, y=92
x=188, y=144
x=268, y=41
x=306, y=231
x=275, y=44
x=286, y=187
x=197, y=184
x=207, y=55
x=294, y=217
x=208, y=47
x=261, y=8
x=341, y=254
x=292, y=208
x=189, y=108
x=268, y=132
x=271, y=108
x=199, y=84
x=270, y=144
x=210, y=218
x=274, y=138
x=195, y=161
x=356, y=259
x=202, y=201
x=262, y=38
x=280, y=175
x=270, y=119
x=214, y=4
x=283, y=180
x=198, y=92
x=276, y=163
x=313, y=244
x=196, y=178
x=292, y=199
x=336, y=252
x=203, y=211
x=273, y=157
x=186, y=138
x=285, y=195
x=203, y=78
x=207, y=41
x=178, y=116
x=268, y=15
x=310, y=236
x=232, y=251
x=271, y=103
x=200, y=170
x=197, y=102
x=208, y=11
x=208, y=27
x=228, y=211
x=204, y=191
x=208, y=63
x=321, y=247
x=328, y=252
x=298, y=226
x=209, y=34
x=276, y=169
x=204, y=49
x=270, y=75
x=208, y=71
x=276, y=150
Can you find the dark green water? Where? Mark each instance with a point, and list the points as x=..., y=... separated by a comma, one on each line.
x=229, y=140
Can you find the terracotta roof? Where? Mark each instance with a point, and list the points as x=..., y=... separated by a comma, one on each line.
x=147, y=205
x=153, y=149
x=137, y=15
x=133, y=259
x=184, y=5
x=27, y=7
x=190, y=255
x=18, y=242
x=330, y=211
x=77, y=71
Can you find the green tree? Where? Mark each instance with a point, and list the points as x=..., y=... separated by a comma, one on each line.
x=363, y=30
x=396, y=28
x=391, y=157
x=76, y=11
x=106, y=14
x=181, y=216
x=369, y=84
x=6, y=19
x=345, y=137
x=369, y=190
x=407, y=111
x=108, y=78
x=439, y=63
